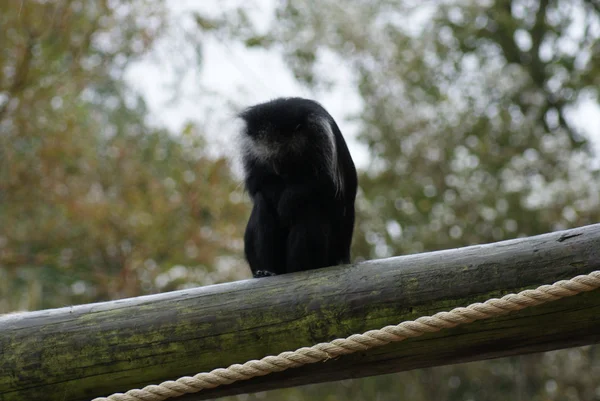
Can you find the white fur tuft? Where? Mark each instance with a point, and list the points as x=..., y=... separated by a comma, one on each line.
x=332, y=159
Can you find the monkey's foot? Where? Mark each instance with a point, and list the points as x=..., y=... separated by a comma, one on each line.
x=263, y=273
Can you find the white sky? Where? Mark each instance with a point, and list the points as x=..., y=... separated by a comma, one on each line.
x=246, y=77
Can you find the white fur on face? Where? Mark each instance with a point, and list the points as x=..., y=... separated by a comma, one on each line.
x=266, y=151
x=258, y=149
x=262, y=148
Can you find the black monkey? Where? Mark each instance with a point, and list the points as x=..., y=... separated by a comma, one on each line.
x=302, y=181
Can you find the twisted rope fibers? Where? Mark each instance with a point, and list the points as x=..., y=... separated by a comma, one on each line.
x=361, y=342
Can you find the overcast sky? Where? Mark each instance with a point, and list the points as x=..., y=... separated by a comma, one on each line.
x=246, y=77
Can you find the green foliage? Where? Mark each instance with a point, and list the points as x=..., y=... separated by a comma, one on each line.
x=94, y=202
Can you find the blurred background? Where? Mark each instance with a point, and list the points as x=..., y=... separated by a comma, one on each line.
x=471, y=121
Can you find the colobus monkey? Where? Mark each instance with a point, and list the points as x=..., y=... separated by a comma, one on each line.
x=302, y=181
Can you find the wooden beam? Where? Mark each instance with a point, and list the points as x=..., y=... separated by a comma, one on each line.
x=81, y=352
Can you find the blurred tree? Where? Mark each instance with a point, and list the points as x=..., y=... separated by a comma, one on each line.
x=95, y=203
x=469, y=119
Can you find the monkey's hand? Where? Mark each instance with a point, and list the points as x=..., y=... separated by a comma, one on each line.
x=263, y=273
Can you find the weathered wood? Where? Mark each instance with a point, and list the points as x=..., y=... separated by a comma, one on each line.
x=80, y=352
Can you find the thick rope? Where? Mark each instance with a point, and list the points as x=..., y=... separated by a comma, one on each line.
x=360, y=342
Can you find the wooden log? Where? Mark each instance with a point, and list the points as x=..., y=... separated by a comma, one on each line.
x=81, y=352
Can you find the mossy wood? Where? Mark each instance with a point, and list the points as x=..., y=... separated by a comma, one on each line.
x=80, y=352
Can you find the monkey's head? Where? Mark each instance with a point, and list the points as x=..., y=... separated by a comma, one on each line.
x=287, y=128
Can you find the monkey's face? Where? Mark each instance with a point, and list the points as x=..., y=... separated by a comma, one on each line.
x=270, y=143
x=291, y=136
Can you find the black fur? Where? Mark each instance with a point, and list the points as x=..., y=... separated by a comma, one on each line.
x=302, y=181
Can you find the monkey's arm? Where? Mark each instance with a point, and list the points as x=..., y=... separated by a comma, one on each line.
x=309, y=241
x=264, y=240
x=296, y=198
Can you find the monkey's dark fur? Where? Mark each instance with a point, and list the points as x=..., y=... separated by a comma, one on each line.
x=302, y=181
